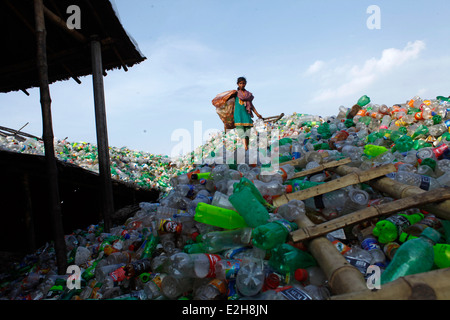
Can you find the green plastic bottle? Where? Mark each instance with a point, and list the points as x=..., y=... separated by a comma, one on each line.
x=219, y=217
x=442, y=255
x=374, y=150
x=248, y=206
x=412, y=257
x=272, y=234
x=286, y=259
x=363, y=101
x=389, y=229
x=150, y=246
x=245, y=182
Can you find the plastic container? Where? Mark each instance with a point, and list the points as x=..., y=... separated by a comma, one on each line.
x=272, y=234
x=219, y=217
x=217, y=241
x=414, y=256
x=286, y=259
x=389, y=229
x=250, y=278
x=248, y=206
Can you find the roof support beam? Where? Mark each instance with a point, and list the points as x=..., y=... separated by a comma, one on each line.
x=63, y=25
x=50, y=159
x=107, y=201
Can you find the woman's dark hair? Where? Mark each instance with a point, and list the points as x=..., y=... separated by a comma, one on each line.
x=241, y=79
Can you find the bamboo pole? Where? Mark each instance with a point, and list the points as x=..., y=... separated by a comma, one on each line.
x=321, y=167
x=399, y=190
x=369, y=213
x=107, y=201
x=52, y=170
x=432, y=285
x=342, y=276
x=347, y=180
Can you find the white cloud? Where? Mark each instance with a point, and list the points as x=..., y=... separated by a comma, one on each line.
x=345, y=82
x=315, y=67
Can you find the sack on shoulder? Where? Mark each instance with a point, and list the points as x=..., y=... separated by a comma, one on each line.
x=220, y=100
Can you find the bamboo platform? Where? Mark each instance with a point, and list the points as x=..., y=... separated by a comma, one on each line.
x=346, y=281
x=349, y=179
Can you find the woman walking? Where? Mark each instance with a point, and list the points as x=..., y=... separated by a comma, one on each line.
x=243, y=112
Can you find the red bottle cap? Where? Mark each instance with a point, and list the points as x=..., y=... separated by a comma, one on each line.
x=288, y=188
x=272, y=281
x=301, y=274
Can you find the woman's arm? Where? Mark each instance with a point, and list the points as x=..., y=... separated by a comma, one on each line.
x=256, y=112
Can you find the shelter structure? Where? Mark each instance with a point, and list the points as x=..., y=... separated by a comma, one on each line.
x=45, y=41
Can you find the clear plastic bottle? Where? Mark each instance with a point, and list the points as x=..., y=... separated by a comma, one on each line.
x=219, y=172
x=221, y=200
x=291, y=210
x=359, y=258
x=423, y=182
x=357, y=199
x=442, y=167
x=271, y=188
x=250, y=278
x=215, y=289
x=438, y=129
x=103, y=272
x=174, y=287
x=334, y=199
x=217, y=241
x=370, y=243
x=201, y=196
x=227, y=269
x=152, y=288
x=414, y=256
x=312, y=275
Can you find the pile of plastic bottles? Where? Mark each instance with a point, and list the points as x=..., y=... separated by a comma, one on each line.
x=217, y=235
x=143, y=169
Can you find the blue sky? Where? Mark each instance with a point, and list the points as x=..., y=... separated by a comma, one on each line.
x=298, y=56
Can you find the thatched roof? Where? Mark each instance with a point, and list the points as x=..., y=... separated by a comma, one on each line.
x=68, y=52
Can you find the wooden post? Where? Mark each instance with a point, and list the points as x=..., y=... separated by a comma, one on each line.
x=107, y=202
x=50, y=159
x=29, y=221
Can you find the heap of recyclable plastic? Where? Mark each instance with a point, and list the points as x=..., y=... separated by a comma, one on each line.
x=217, y=234
x=143, y=169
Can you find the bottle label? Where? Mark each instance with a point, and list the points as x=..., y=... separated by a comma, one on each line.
x=318, y=202
x=158, y=280
x=170, y=226
x=341, y=247
x=229, y=254
x=231, y=269
x=431, y=221
x=118, y=275
x=425, y=182
x=293, y=293
x=220, y=285
x=359, y=264
x=370, y=244
x=283, y=173
x=213, y=258
x=400, y=222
